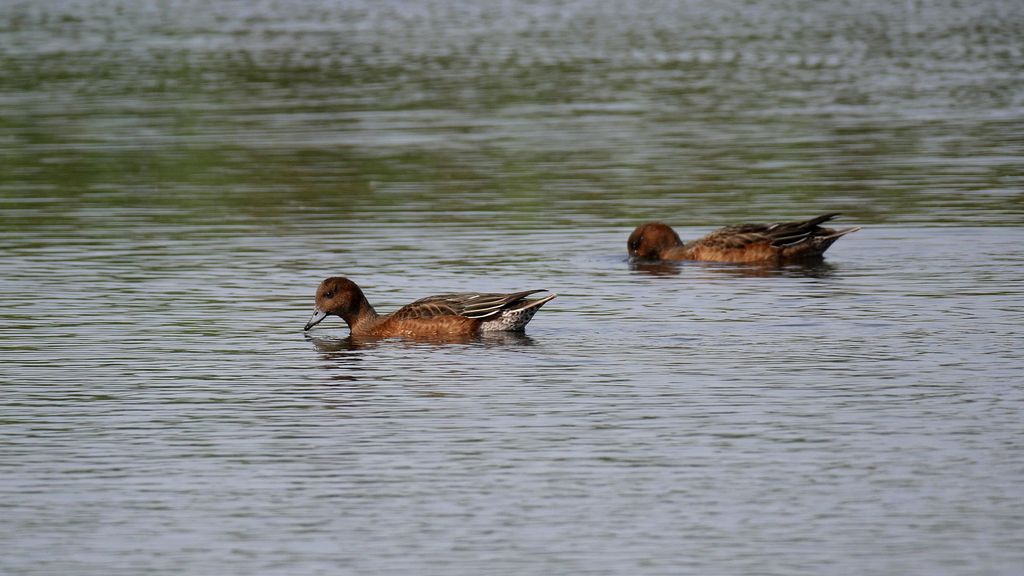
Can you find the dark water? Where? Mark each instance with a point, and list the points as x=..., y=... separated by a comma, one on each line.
x=176, y=177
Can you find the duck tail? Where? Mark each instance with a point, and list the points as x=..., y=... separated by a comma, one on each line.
x=526, y=304
x=838, y=233
x=822, y=243
x=515, y=317
x=818, y=220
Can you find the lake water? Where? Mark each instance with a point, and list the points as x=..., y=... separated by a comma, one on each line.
x=177, y=177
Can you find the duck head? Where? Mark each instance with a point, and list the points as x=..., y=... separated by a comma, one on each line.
x=649, y=241
x=339, y=296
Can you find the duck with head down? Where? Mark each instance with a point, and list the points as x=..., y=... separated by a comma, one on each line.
x=441, y=315
x=774, y=244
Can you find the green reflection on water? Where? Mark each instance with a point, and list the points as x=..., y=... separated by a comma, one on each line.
x=505, y=117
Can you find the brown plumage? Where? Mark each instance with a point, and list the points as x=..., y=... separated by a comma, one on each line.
x=441, y=315
x=776, y=244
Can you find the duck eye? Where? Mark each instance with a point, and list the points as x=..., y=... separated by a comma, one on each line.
x=328, y=294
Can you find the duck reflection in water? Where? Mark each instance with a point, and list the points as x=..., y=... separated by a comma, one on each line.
x=347, y=355
x=807, y=269
x=336, y=348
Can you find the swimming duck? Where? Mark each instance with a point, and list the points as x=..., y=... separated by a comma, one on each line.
x=777, y=244
x=441, y=315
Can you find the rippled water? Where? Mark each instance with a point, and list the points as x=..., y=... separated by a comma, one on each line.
x=176, y=178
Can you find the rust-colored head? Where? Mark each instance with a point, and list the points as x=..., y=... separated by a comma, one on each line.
x=339, y=296
x=649, y=241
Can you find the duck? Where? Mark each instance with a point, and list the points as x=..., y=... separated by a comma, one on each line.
x=461, y=314
x=774, y=244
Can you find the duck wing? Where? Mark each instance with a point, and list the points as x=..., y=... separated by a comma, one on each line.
x=779, y=234
x=467, y=304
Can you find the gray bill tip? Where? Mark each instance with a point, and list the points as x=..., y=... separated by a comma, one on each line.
x=315, y=319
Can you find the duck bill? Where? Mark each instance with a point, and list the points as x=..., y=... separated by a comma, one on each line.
x=315, y=319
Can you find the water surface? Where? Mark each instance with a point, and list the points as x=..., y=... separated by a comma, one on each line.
x=176, y=178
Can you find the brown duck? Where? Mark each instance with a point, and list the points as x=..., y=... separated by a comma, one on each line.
x=441, y=315
x=775, y=244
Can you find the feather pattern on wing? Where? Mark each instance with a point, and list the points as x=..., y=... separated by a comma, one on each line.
x=468, y=305
x=781, y=234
